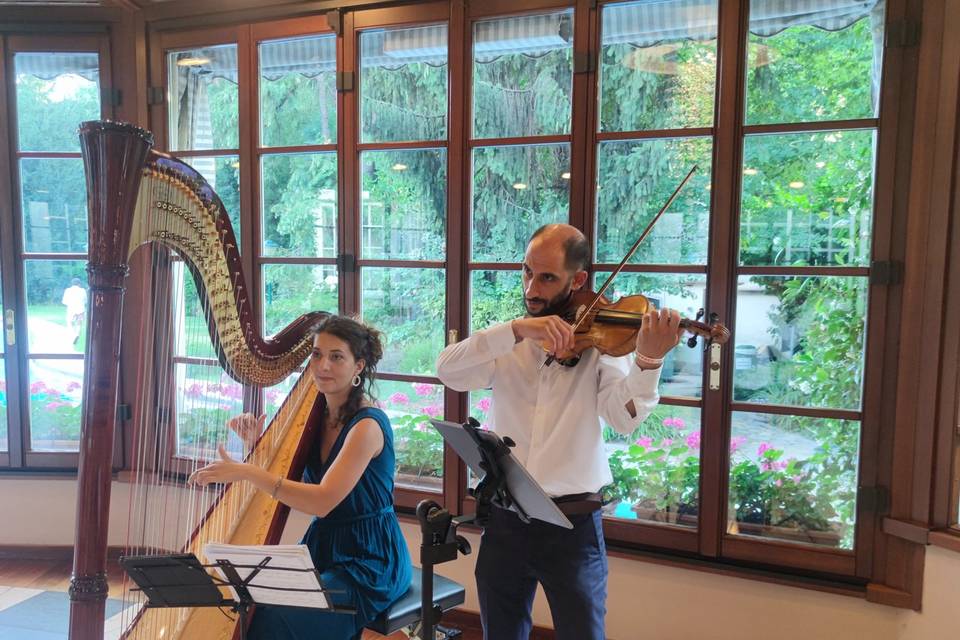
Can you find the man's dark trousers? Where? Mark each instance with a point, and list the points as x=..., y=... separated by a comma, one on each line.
x=570, y=564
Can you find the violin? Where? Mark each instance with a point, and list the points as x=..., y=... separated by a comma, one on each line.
x=612, y=327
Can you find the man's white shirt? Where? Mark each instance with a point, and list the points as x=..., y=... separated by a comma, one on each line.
x=552, y=413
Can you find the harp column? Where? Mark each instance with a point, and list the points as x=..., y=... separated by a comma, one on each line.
x=113, y=156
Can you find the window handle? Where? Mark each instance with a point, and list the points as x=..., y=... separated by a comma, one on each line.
x=715, y=351
x=10, y=328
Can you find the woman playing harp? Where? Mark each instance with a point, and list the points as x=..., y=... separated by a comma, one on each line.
x=137, y=197
x=354, y=539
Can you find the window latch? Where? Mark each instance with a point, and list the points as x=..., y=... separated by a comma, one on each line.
x=10, y=327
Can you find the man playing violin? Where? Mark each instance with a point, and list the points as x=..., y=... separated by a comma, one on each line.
x=553, y=414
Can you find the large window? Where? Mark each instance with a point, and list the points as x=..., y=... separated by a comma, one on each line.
x=55, y=85
x=382, y=172
x=401, y=230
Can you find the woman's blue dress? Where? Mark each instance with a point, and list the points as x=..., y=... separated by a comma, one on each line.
x=358, y=548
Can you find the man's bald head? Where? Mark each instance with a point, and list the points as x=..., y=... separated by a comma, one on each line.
x=575, y=247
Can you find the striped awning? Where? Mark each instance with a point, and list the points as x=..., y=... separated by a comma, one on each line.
x=649, y=22
x=48, y=66
x=643, y=23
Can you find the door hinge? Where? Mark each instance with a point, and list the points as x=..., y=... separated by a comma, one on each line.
x=584, y=61
x=903, y=33
x=873, y=499
x=346, y=262
x=110, y=96
x=345, y=80
x=886, y=272
x=156, y=95
x=335, y=21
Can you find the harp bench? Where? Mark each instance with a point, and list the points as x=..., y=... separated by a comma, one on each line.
x=447, y=594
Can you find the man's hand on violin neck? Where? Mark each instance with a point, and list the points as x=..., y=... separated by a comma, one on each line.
x=660, y=332
x=552, y=332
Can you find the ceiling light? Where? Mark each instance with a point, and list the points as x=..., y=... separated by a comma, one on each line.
x=192, y=61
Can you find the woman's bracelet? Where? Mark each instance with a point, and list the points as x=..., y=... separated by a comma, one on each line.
x=276, y=487
x=646, y=362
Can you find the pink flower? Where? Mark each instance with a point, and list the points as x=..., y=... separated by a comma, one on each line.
x=234, y=391
x=693, y=440
x=226, y=407
x=485, y=426
x=52, y=406
x=398, y=398
x=422, y=427
x=763, y=448
x=194, y=390
x=666, y=442
x=432, y=410
x=797, y=479
x=735, y=442
x=483, y=404
x=273, y=396
x=3, y=385
x=73, y=386
x=677, y=423
x=38, y=387
x=779, y=482
x=644, y=442
x=423, y=389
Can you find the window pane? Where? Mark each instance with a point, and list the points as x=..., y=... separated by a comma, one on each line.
x=403, y=84
x=807, y=198
x=523, y=75
x=298, y=91
x=635, y=180
x=290, y=290
x=54, y=196
x=4, y=442
x=206, y=398
x=516, y=190
x=223, y=175
x=793, y=478
x=800, y=341
x=495, y=297
x=682, y=373
x=657, y=71
x=55, y=93
x=56, y=305
x=55, y=394
x=404, y=200
x=656, y=469
x=191, y=336
x=299, y=205
x=418, y=445
x=408, y=306
x=203, y=98
x=822, y=63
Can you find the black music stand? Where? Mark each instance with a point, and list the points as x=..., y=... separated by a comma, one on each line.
x=503, y=483
x=180, y=580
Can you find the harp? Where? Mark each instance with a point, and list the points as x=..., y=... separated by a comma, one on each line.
x=138, y=197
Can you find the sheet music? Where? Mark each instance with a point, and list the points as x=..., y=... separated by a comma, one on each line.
x=291, y=556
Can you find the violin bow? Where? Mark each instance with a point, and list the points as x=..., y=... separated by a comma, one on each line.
x=627, y=257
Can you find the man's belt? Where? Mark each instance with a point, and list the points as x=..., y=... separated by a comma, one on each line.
x=579, y=503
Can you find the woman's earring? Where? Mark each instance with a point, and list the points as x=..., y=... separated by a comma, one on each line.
x=356, y=380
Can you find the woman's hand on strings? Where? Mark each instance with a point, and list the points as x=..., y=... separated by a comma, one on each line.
x=659, y=332
x=248, y=427
x=223, y=471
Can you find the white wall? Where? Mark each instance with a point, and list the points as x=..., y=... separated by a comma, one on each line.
x=645, y=600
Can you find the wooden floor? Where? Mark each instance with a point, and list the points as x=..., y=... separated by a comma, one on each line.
x=54, y=575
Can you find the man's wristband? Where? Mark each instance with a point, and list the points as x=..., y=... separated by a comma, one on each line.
x=646, y=362
x=276, y=487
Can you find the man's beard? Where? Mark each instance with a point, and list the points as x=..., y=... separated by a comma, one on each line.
x=553, y=307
